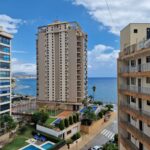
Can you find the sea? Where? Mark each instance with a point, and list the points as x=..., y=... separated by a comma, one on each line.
x=106, y=88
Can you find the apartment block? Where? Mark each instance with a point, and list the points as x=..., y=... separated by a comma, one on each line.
x=5, y=72
x=61, y=65
x=134, y=87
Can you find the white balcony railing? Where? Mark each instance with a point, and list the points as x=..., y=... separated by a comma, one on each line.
x=133, y=88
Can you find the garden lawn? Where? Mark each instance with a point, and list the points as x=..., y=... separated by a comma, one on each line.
x=19, y=141
x=49, y=121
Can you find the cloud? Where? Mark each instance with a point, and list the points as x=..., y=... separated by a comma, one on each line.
x=19, y=52
x=123, y=12
x=9, y=24
x=102, y=61
x=17, y=66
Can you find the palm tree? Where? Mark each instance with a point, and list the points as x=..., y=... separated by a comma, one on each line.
x=94, y=89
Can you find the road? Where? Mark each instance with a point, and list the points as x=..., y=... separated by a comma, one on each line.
x=104, y=136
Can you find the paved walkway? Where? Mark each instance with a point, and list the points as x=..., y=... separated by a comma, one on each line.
x=88, y=137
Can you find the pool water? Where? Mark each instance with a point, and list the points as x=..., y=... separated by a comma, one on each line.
x=84, y=109
x=31, y=147
x=47, y=146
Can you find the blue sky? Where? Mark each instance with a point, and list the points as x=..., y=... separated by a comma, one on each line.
x=22, y=17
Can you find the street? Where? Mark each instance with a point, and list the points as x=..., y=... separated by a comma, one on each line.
x=104, y=136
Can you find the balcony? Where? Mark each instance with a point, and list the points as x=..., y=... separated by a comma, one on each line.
x=127, y=143
x=140, y=70
x=136, y=112
x=135, y=49
x=136, y=133
x=132, y=90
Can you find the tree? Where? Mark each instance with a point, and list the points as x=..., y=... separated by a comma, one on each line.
x=110, y=146
x=77, y=115
x=116, y=138
x=40, y=117
x=89, y=114
x=61, y=125
x=94, y=89
x=66, y=122
x=100, y=114
x=85, y=102
x=74, y=118
x=7, y=122
x=109, y=107
x=70, y=120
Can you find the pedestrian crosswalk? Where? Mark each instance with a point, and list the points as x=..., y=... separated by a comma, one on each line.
x=108, y=134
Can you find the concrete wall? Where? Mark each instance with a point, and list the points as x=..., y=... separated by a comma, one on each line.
x=64, y=133
x=93, y=128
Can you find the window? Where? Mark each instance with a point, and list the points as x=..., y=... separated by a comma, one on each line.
x=135, y=30
x=148, y=80
x=133, y=63
x=148, y=59
x=68, y=132
x=133, y=100
x=148, y=102
x=133, y=81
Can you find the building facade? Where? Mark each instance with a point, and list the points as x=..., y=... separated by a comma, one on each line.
x=5, y=72
x=61, y=64
x=134, y=87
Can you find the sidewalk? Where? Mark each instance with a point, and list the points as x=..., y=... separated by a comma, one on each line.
x=88, y=137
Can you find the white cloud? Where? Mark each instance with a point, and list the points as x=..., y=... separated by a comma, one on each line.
x=17, y=66
x=10, y=24
x=123, y=12
x=102, y=61
x=19, y=52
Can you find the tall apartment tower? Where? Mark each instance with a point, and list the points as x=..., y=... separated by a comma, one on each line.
x=61, y=64
x=134, y=87
x=5, y=72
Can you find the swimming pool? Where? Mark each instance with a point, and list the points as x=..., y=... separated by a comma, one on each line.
x=47, y=145
x=31, y=147
x=85, y=108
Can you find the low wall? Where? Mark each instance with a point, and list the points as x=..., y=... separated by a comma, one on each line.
x=93, y=128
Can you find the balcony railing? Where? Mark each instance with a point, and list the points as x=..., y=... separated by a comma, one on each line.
x=139, y=113
x=136, y=47
x=136, y=89
x=127, y=143
x=136, y=132
x=139, y=68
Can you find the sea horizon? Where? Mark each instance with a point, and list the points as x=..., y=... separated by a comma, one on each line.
x=106, y=88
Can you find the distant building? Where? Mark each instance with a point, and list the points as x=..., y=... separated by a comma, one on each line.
x=134, y=87
x=5, y=72
x=61, y=65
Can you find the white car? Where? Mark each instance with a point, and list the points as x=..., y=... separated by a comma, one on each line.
x=97, y=147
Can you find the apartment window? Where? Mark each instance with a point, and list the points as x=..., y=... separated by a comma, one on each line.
x=148, y=59
x=135, y=30
x=68, y=132
x=133, y=100
x=133, y=63
x=148, y=80
x=133, y=81
x=148, y=102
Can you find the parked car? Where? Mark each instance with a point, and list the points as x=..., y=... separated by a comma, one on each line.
x=97, y=147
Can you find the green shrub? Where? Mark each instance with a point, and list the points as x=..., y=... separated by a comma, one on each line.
x=100, y=115
x=76, y=136
x=66, y=122
x=70, y=120
x=61, y=125
x=77, y=115
x=98, y=103
x=74, y=118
